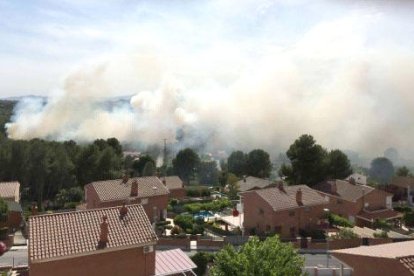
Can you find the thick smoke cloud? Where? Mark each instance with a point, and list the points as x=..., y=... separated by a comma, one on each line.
x=333, y=82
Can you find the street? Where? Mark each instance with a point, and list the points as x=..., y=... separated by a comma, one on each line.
x=16, y=255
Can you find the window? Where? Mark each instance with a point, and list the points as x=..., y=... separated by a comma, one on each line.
x=278, y=229
x=261, y=211
x=307, y=209
x=291, y=213
x=292, y=231
x=339, y=201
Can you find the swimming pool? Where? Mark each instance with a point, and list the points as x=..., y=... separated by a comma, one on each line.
x=203, y=215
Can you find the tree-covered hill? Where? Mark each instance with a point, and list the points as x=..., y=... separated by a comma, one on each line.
x=6, y=110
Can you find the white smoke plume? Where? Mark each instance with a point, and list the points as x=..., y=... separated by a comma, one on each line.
x=331, y=82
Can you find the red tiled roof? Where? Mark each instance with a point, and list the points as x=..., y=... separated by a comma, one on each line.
x=389, y=250
x=408, y=262
x=402, y=252
x=172, y=262
x=74, y=233
x=344, y=189
x=173, y=182
x=10, y=190
x=110, y=190
x=286, y=199
x=379, y=214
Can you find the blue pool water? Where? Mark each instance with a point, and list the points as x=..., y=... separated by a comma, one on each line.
x=203, y=214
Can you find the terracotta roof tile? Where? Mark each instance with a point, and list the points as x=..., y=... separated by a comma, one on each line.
x=173, y=182
x=286, y=199
x=73, y=233
x=344, y=189
x=388, y=250
x=110, y=190
x=10, y=190
x=172, y=262
x=408, y=262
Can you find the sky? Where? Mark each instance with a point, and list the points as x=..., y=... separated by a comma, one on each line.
x=236, y=74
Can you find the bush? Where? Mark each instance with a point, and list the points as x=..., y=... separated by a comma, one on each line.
x=184, y=221
x=201, y=259
x=345, y=233
x=198, y=229
x=215, y=206
x=381, y=235
x=314, y=234
x=176, y=230
x=173, y=202
x=409, y=219
x=403, y=209
x=198, y=192
x=382, y=224
x=339, y=221
x=3, y=233
x=70, y=205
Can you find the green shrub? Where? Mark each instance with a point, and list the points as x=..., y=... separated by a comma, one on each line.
x=313, y=233
x=345, y=233
x=381, y=234
x=201, y=259
x=403, y=209
x=339, y=221
x=409, y=219
x=3, y=233
x=176, y=230
x=184, y=221
x=382, y=224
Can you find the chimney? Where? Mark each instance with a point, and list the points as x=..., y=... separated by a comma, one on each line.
x=123, y=211
x=352, y=181
x=103, y=236
x=34, y=209
x=333, y=187
x=281, y=187
x=134, y=188
x=164, y=181
x=125, y=179
x=299, y=197
x=244, y=179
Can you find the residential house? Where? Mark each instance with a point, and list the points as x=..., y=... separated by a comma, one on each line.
x=403, y=188
x=385, y=259
x=175, y=185
x=361, y=204
x=10, y=191
x=253, y=183
x=106, y=242
x=148, y=191
x=283, y=210
x=92, y=242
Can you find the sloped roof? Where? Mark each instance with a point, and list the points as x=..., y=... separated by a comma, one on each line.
x=173, y=182
x=73, y=233
x=401, y=252
x=344, y=189
x=403, y=181
x=172, y=262
x=286, y=199
x=379, y=214
x=250, y=182
x=9, y=189
x=110, y=190
x=389, y=250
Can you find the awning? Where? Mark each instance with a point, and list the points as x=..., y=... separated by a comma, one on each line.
x=173, y=262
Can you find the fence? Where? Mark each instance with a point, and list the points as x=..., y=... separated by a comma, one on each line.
x=325, y=271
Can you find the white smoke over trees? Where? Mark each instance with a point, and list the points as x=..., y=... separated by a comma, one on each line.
x=332, y=82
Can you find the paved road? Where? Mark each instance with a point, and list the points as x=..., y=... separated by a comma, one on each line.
x=17, y=254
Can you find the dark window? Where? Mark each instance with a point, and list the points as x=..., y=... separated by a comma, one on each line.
x=291, y=213
x=292, y=231
x=278, y=229
x=261, y=211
